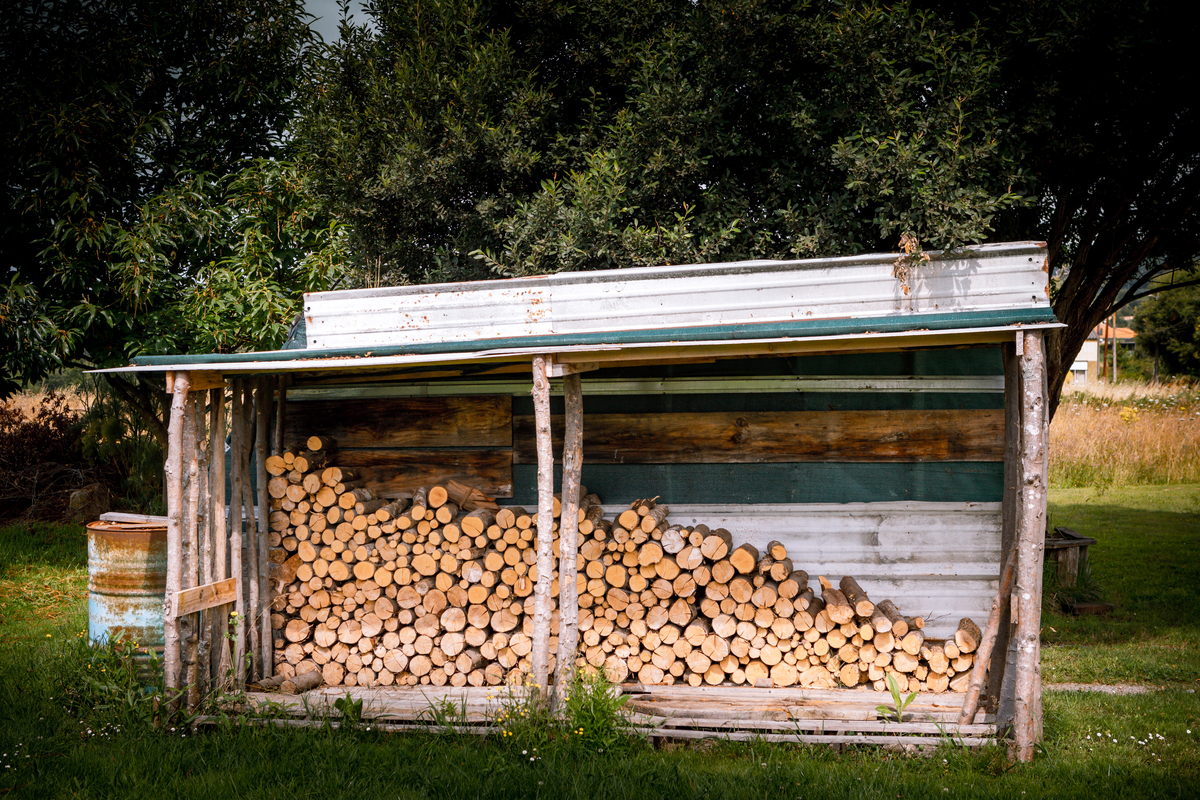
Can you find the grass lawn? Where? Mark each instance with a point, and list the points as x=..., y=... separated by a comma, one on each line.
x=72, y=726
x=1146, y=564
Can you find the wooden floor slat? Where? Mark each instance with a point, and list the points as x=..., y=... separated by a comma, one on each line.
x=824, y=716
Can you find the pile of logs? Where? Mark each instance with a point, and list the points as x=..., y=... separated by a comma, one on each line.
x=437, y=588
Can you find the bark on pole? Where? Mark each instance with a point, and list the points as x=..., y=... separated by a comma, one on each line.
x=568, y=534
x=237, y=518
x=205, y=539
x=250, y=540
x=262, y=610
x=545, y=522
x=220, y=518
x=191, y=536
x=1027, y=722
x=174, y=479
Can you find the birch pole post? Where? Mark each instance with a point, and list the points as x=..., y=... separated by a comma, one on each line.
x=204, y=541
x=236, y=526
x=568, y=534
x=1027, y=723
x=262, y=608
x=250, y=541
x=542, y=611
x=180, y=382
x=188, y=628
x=221, y=661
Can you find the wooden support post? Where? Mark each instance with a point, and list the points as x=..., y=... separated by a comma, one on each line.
x=204, y=541
x=188, y=627
x=568, y=534
x=545, y=524
x=237, y=516
x=221, y=659
x=250, y=539
x=262, y=609
x=174, y=480
x=997, y=680
x=1027, y=721
x=987, y=642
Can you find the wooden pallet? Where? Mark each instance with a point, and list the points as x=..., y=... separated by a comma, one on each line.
x=834, y=717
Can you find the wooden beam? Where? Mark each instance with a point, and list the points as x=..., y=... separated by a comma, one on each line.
x=1027, y=721
x=545, y=524
x=174, y=479
x=200, y=598
x=558, y=370
x=568, y=541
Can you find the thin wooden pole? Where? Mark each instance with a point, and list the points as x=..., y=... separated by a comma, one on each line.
x=173, y=470
x=542, y=610
x=1008, y=531
x=191, y=535
x=983, y=654
x=250, y=541
x=568, y=534
x=222, y=661
x=237, y=523
x=204, y=529
x=1027, y=723
x=262, y=607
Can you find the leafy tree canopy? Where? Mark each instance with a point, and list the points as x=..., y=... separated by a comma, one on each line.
x=145, y=208
x=464, y=139
x=1168, y=328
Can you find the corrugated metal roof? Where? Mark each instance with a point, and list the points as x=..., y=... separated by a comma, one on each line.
x=635, y=303
x=742, y=308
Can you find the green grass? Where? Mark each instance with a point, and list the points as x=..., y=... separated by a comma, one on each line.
x=72, y=723
x=1145, y=564
x=43, y=580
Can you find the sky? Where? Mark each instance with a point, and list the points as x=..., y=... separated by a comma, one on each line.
x=328, y=11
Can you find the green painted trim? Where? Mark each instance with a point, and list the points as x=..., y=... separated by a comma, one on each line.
x=980, y=482
x=703, y=333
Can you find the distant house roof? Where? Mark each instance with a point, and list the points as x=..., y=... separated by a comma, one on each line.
x=738, y=308
x=1105, y=331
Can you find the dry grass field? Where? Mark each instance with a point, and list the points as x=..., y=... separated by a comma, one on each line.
x=1124, y=435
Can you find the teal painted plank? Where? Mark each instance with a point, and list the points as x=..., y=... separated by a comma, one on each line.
x=780, y=483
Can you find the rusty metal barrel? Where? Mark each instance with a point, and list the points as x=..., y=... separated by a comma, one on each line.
x=127, y=579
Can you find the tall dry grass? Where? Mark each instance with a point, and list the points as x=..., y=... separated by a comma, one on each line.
x=1126, y=434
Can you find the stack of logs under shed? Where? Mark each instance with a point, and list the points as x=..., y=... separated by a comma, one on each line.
x=437, y=588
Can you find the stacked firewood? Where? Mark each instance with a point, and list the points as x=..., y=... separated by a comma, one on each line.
x=436, y=587
x=431, y=588
x=665, y=603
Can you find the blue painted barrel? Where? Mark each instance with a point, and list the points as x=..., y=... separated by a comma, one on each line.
x=127, y=580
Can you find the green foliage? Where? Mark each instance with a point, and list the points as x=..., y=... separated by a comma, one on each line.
x=895, y=712
x=1168, y=327
x=465, y=139
x=595, y=715
x=145, y=208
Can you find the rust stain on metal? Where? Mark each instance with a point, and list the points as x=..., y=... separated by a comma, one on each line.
x=127, y=579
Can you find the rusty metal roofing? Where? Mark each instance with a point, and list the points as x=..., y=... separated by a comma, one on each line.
x=740, y=307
